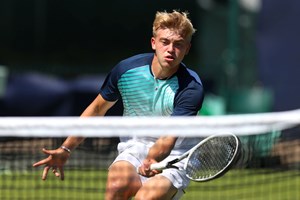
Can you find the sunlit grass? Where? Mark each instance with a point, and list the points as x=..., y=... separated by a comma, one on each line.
x=235, y=185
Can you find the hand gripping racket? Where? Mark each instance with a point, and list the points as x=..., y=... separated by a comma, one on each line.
x=209, y=159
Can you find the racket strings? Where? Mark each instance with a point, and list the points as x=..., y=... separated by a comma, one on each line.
x=211, y=158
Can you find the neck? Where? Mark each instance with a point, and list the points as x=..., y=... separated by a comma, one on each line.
x=162, y=73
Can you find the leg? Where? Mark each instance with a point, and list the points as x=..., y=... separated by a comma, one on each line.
x=156, y=188
x=122, y=182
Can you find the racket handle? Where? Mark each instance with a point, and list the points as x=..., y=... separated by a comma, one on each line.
x=158, y=166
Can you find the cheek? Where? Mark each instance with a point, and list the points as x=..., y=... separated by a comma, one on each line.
x=158, y=48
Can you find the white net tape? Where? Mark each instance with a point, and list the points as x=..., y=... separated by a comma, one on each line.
x=242, y=124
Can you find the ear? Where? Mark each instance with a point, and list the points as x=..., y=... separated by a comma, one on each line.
x=153, y=43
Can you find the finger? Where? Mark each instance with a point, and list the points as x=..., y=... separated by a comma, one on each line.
x=152, y=173
x=62, y=174
x=41, y=162
x=141, y=170
x=147, y=172
x=144, y=172
x=48, y=152
x=138, y=170
x=55, y=172
x=156, y=171
x=45, y=173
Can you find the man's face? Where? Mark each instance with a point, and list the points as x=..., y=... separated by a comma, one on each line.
x=170, y=47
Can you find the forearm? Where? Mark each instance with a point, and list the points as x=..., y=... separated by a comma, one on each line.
x=97, y=108
x=162, y=148
x=72, y=142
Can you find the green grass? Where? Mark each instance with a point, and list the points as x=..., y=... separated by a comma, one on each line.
x=77, y=185
x=249, y=185
x=235, y=185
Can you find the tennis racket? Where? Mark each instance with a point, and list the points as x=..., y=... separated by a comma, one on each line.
x=209, y=159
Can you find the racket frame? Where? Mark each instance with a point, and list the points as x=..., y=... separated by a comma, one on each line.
x=226, y=168
x=170, y=164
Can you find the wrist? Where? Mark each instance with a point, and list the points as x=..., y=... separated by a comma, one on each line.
x=66, y=149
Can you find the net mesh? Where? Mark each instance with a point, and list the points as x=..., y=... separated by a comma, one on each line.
x=268, y=168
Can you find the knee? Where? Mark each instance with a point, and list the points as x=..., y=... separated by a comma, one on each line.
x=117, y=186
x=150, y=194
x=122, y=181
x=142, y=194
x=158, y=188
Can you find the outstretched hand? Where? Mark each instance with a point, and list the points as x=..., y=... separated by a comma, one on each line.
x=55, y=160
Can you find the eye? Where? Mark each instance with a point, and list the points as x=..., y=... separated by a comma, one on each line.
x=178, y=44
x=165, y=42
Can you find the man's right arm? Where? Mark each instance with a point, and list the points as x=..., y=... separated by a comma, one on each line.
x=57, y=158
x=97, y=108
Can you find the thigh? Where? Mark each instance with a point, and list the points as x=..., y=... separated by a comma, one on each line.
x=157, y=187
x=122, y=180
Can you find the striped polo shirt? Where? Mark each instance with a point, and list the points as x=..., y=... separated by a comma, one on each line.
x=132, y=81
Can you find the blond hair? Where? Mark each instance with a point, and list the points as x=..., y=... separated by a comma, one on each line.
x=176, y=21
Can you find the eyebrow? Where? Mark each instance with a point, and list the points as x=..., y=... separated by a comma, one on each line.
x=180, y=40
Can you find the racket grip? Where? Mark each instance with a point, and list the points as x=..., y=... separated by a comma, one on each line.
x=158, y=166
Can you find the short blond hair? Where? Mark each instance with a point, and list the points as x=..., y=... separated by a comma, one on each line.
x=176, y=21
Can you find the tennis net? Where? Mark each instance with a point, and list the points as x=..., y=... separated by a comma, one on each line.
x=269, y=167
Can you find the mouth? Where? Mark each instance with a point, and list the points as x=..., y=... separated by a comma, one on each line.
x=169, y=58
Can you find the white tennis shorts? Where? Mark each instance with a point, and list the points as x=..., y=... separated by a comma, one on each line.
x=135, y=152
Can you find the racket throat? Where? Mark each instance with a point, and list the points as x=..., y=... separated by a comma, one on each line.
x=171, y=164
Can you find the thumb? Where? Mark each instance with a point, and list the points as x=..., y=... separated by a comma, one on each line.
x=47, y=152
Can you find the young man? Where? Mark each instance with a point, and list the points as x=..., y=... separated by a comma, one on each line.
x=153, y=84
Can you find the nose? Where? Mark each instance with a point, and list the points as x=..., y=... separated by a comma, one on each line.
x=170, y=47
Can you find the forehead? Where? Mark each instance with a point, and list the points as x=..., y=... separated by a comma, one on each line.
x=169, y=34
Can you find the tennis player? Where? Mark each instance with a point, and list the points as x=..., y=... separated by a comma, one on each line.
x=150, y=84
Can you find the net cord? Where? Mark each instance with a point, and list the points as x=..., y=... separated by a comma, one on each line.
x=239, y=124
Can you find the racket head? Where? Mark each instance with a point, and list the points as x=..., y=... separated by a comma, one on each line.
x=212, y=157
